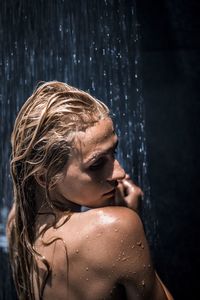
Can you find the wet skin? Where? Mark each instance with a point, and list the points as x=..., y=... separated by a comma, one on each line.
x=92, y=172
x=107, y=252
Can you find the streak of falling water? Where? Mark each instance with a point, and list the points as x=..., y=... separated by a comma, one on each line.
x=92, y=46
x=148, y=212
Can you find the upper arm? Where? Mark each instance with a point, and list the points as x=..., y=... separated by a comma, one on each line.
x=133, y=267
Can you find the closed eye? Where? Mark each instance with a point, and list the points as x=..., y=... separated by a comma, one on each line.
x=98, y=164
x=102, y=160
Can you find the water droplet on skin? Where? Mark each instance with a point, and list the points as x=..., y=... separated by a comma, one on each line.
x=86, y=236
x=86, y=268
x=144, y=266
x=143, y=283
x=122, y=241
x=116, y=229
x=149, y=266
x=118, y=259
x=111, y=292
x=142, y=246
x=77, y=251
x=133, y=246
x=124, y=258
x=139, y=243
x=87, y=279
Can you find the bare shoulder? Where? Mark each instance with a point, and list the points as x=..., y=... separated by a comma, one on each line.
x=115, y=219
x=120, y=244
x=117, y=213
x=113, y=232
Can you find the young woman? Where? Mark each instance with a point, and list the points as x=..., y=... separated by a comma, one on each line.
x=63, y=158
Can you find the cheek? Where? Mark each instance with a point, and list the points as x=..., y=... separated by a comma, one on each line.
x=101, y=176
x=92, y=181
x=84, y=184
x=90, y=185
x=96, y=178
x=85, y=191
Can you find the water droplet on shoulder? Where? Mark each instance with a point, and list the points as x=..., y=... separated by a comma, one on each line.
x=143, y=283
x=124, y=259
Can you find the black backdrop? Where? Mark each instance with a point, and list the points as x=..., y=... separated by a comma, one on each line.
x=169, y=57
x=170, y=54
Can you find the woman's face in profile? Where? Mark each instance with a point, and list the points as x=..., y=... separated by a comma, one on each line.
x=92, y=172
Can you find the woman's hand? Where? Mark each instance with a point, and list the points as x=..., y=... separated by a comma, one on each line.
x=128, y=194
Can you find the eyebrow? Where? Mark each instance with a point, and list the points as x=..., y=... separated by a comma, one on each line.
x=99, y=154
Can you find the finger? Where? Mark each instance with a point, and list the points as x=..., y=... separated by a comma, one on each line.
x=132, y=188
x=128, y=178
x=119, y=195
x=120, y=188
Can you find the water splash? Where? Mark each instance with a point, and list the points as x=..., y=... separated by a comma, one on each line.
x=92, y=46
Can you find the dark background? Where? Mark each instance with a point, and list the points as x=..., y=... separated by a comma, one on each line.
x=170, y=56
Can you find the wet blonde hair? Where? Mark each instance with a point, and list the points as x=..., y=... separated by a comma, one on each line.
x=42, y=139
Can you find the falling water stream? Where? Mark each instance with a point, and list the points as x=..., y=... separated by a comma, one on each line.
x=93, y=45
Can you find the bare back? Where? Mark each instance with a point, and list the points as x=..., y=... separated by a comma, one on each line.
x=99, y=254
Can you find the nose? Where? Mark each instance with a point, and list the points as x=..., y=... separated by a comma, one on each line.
x=118, y=172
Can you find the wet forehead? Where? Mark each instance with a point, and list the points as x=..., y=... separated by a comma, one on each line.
x=96, y=138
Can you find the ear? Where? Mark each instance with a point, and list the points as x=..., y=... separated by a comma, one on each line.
x=40, y=178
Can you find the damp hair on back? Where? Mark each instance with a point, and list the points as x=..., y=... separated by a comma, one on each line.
x=41, y=141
